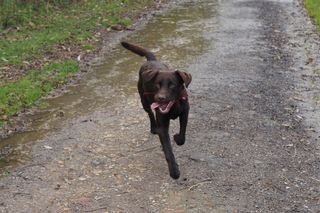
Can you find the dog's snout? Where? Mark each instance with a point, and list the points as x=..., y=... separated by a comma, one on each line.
x=161, y=97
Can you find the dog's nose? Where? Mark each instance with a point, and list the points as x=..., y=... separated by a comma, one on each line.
x=161, y=97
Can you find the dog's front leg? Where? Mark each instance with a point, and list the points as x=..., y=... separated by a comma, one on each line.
x=180, y=138
x=153, y=126
x=163, y=132
x=146, y=107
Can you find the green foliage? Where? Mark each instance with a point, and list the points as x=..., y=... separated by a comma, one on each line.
x=37, y=83
x=43, y=104
x=43, y=23
x=313, y=7
x=17, y=50
x=30, y=28
x=88, y=47
x=17, y=12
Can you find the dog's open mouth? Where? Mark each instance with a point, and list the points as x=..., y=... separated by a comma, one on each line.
x=163, y=107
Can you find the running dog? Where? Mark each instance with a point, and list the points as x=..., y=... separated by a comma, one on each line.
x=163, y=90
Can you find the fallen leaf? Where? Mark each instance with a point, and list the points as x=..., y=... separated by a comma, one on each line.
x=309, y=61
x=47, y=147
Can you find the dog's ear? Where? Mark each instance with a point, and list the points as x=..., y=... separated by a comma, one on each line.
x=148, y=75
x=185, y=76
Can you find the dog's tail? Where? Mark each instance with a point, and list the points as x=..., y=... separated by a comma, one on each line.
x=139, y=50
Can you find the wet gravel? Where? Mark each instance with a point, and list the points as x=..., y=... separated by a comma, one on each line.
x=252, y=140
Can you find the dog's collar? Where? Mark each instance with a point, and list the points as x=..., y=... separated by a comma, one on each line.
x=183, y=95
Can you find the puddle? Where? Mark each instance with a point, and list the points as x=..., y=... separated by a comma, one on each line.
x=177, y=37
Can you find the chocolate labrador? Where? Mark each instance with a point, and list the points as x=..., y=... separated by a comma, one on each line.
x=163, y=90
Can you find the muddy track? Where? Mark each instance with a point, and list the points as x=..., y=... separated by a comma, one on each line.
x=252, y=140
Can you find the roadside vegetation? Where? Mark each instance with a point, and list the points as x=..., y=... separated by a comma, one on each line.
x=40, y=41
x=313, y=7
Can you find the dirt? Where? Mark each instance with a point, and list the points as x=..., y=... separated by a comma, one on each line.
x=253, y=135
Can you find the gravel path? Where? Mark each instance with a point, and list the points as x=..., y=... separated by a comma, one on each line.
x=252, y=140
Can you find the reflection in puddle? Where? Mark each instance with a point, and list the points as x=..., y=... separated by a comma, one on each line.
x=176, y=37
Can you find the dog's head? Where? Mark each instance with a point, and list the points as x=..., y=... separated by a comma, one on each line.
x=166, y=86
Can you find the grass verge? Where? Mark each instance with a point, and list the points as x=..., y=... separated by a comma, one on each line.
x=36, y=41
x=25, y=91
x=313, y=7
x=26, y=40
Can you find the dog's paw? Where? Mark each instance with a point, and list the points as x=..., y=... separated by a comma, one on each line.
x=175, y=173
x=179, y=139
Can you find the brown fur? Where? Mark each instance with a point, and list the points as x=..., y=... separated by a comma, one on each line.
x=158, y=83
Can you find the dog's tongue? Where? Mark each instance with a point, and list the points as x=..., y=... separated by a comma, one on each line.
x=163, y=107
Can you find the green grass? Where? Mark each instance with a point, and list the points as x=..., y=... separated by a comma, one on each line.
x=313, y=7
x=39, y=30
x=31, y=29
x=24, y=92
x=88, y=46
